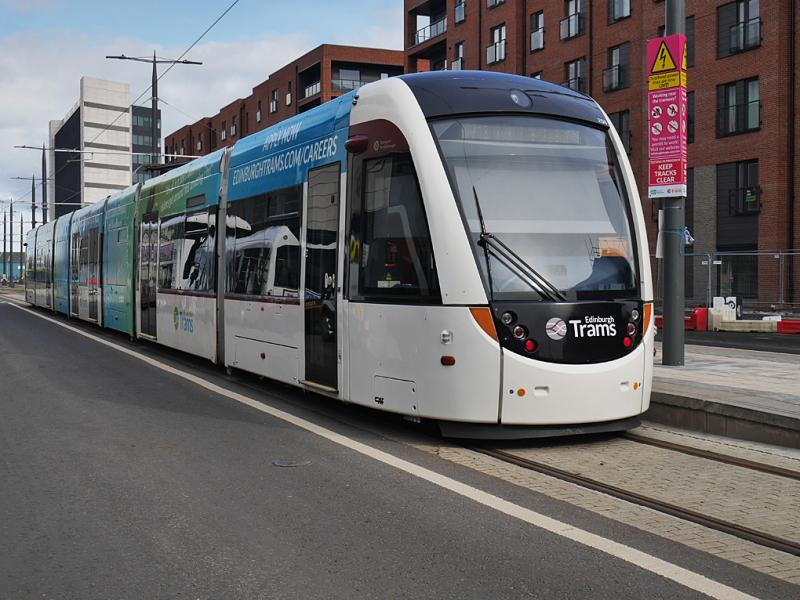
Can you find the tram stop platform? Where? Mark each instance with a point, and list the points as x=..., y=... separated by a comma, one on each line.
x=744, y=394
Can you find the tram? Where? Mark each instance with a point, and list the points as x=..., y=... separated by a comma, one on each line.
x=462, y=247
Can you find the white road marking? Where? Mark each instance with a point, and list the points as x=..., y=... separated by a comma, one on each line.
x=685, y=577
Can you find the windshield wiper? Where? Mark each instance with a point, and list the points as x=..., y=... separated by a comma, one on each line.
x=535, y=280
x=485, y=247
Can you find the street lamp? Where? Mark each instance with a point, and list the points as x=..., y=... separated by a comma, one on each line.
x=155, y=61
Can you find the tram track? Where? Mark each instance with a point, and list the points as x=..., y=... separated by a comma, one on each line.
x=715, y=456
x=752, y=535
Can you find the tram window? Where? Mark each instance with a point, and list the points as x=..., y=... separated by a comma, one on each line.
x=259, y=226
x=396, y=254
x=196, y=252
x=170, y=240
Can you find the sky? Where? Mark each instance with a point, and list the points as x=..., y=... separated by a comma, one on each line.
x=47, y=45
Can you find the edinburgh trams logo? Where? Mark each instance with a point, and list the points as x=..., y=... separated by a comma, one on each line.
x=589, y=326
x=556, y=328
x=183, y=320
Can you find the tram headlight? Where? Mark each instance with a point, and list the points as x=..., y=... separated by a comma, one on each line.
x=519, y=332
x=635, y=314
x=507, y=318
x=631, y=329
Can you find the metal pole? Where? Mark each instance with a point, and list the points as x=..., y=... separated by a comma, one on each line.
x=33, y=201
x=153, y=117
x=21, y=253
x=44, y=187
x=674, y=301
x=708, y=285
x=11, y=238
x=5, y=253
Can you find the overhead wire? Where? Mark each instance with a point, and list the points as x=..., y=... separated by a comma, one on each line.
x=148, y=89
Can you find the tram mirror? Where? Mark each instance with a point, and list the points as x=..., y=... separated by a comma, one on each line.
x=357, y=144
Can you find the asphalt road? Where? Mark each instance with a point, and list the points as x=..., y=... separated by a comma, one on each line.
x=119, y=480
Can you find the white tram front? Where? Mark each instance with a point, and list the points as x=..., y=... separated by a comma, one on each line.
x=498, y=275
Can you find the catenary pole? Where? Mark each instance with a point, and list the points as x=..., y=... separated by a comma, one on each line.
x=6, y=271
x=154, y=116
x=673, y=223
x=44, y=187
x=33, y=201
x=21, y=253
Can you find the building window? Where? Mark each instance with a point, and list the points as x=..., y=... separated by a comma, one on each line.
x=399, y=264
x=574, y=71
x=497, y=51
x=690, y=117
x=738, y=107
x=493, y=3
x=183, y=149
x=461, y=12
x=273, y=101
x=258, y=112
x=572, y=25
x=289, y=95
x=689, y=40
x=200, y=142
x=615, y=77
x=622, y=123
x=537, y=75
x=738, y=27
x=223, y=134
x=537, y=31
x=233, y=126
x=213, y=138
x=618, y=9
x=458, y=58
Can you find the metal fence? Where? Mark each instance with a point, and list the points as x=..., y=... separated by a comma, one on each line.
x=763, y=279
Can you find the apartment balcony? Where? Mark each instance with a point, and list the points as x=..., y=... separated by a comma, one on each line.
x=738, y=118
x=312, y=90
x=431, y=31
x=346, y=85
x=615, y=78
x=496, y=52
x=575, y=83
x=572, y=26
x=745, y=36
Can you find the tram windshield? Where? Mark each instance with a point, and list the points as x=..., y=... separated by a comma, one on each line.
x=552, y=192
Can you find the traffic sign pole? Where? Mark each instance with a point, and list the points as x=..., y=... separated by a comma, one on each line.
x=674, y=220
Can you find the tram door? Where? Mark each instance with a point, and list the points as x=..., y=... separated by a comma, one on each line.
x=74, y=274
x=93, y=278
x=148, y=265
x=322, y=233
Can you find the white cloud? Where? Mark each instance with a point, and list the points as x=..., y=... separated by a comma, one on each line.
x=40, y=75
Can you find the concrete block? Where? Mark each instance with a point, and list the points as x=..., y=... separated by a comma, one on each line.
x=747, y=326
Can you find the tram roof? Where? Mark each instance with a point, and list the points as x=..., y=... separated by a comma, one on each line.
x=443, y=93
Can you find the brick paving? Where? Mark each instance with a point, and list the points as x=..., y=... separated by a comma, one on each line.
x=585, y=457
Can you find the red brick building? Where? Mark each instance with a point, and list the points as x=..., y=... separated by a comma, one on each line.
x=744, y=91
x=320, y=75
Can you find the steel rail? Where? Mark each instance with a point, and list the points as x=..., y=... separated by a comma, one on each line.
x=745, y=533
x=716, y=456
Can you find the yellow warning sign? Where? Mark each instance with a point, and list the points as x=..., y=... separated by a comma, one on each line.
x=683, y=61
x=663, y=61
x=663, y=81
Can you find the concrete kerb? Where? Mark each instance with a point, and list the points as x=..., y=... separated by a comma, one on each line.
x=708, y=416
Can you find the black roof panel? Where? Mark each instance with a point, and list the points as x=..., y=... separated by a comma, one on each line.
x=441, y=93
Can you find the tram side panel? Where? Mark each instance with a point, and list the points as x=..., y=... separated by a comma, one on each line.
x=411, y=352
x=44, y=265
x=61, y=252
x=30, y=268
x=270, y=311
x=176, y=271
x=86, y=249
x=118, y=255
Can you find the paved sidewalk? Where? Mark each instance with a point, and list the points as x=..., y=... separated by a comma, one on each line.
x=736, y=392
